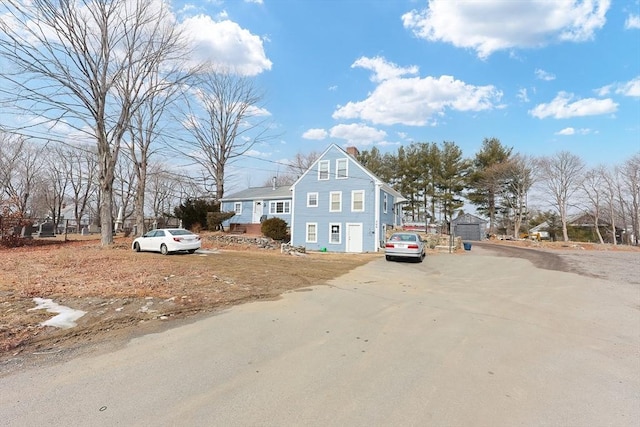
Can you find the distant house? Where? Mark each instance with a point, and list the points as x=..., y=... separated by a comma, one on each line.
x=580, y=227
x=336, y=205
x=254, y=205
x=469, y=227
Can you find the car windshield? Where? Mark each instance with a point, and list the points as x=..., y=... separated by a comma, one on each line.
x=403, y=238
x=179, y=232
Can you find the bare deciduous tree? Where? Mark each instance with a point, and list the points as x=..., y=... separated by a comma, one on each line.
x=56, y=181
x=594, y=186
x=225, y=121
x=630, y=184
x=517, y=178
x=85, y=63
x=295, y=168
x=10, y=149
x=21, y=178
x=561, y=176
x=81, y=164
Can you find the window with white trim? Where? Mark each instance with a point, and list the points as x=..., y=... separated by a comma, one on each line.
x=323, y=170
x=341, y=168
x=384, y=203
x=312, y=200
x=335, y=201
x=280, y=206
x=335, y=236
x=237, y=208
x=357, y=201
x=312, y=232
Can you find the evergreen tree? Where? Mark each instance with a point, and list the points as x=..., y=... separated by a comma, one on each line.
x=486, y=180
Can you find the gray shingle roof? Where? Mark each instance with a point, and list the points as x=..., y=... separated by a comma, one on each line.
x=260, y=193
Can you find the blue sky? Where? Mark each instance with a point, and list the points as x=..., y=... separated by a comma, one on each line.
x=541, y=76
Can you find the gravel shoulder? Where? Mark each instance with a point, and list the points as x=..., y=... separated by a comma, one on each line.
x=620, y=266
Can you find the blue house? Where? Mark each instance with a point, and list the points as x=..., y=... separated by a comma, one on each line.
x=337, y=205
x=254, y=205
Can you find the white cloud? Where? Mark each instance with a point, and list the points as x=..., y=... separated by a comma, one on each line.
x=488, y=26
x=630, y=88
x=414, y=101
x=563, y=107
x=566, y=131
x=253, y=111
x=632, y=22
x=317, y=134
x=604, y=90
x=358, y=133
x=571, y=131
x=522, y=95
x=383, y=69
x=543, y=75
x=225, y=44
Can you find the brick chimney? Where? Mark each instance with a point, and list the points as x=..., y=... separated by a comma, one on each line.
x=353, y=152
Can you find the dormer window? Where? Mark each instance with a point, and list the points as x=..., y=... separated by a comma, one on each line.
x=341, y=168
x=323, y=170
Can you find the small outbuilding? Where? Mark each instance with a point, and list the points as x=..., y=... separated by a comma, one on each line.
x=469, y=227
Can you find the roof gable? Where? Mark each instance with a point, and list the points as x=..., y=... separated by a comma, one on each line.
x=468, y=219
x=353, y=161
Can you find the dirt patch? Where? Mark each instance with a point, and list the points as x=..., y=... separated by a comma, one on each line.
x=125, y=294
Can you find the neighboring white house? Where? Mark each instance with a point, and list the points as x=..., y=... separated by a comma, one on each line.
x=336, y=205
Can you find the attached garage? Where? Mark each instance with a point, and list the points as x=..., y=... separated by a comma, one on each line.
x=469, y=227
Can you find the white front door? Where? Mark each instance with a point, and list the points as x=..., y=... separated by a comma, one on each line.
x=354, y=237
x=258, y=208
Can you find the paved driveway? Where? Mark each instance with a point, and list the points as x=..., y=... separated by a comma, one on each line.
x=470, y=339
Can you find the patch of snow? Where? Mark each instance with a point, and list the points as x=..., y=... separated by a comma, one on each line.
x=66, y=317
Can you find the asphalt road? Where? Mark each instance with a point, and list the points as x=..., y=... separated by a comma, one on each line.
x=459, y=340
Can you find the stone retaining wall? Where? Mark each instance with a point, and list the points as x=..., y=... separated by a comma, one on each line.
x=257, y=242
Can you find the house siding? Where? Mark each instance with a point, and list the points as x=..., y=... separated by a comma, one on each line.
x=342, y=229
x=356, y=180
x=246, y=215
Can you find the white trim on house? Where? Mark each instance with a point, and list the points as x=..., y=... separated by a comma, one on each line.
x=376, y=218
x=237, y=208
x=331, y=194
x=349, y=247
x=353, y=201
x=312, y=193
x=274, y=205
x=331, y=233
x=306, y=236
x=321, y=171
x=346, y=168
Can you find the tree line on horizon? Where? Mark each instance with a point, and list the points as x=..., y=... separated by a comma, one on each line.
x=438, y=180
x=513, y=191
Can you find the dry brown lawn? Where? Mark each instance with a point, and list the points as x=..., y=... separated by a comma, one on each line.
x=124, y=292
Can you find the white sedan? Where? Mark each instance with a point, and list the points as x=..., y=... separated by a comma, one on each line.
x=167, y=240
x=406, y=245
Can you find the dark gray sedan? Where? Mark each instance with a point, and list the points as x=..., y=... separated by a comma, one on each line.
x=404, y=245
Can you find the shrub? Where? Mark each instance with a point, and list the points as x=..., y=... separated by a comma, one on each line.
x=275, y=228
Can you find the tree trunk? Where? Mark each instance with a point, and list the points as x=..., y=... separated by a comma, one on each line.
x=106, y=218
x=140, y=190
x=563, y=220
x=595, y=223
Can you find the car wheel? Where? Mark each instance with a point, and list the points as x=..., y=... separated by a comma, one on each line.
x=191, y=251
x=421, y=258
x=163, y=249
x=387, y=257
x=136, y=247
